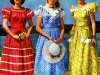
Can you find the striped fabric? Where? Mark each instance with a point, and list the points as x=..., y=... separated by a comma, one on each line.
x=16, y=61
x=17, y=55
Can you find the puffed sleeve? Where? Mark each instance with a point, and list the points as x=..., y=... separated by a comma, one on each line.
x=29, y=13
x=6, y=12
x=92, y=7
x=62, y=13
x=39, y=11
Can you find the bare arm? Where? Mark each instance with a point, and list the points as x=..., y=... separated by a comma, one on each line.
x=39, y=28
x=6, y=28
x=73, y=28
x=62, y=28
x=30, y=27
x=92, y=18
x=72, y=10
x=59, y=39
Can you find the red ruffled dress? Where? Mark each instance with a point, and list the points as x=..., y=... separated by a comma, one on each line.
x=17, y=55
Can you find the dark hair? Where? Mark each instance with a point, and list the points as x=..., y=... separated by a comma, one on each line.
x=12, y=2
x=57, y=4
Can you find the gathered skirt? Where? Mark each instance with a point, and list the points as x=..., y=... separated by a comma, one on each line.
x=44, y=68
x=17, y=57
x=82, y=54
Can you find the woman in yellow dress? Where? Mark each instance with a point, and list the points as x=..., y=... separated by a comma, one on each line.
x=82, y=43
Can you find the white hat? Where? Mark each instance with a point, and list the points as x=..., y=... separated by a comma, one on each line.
x=54, y=49
x=52, y=52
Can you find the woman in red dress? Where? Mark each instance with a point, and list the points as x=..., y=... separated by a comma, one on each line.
x=17, y=56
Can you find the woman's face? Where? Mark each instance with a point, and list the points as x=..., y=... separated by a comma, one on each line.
x=52, y=2
x=17, y=2
x=80, y=1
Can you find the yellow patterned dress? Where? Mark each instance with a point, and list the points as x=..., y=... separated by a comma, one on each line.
x=82, y=55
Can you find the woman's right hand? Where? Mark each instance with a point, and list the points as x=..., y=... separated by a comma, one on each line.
x=15, y=37
x=49, y=38
x=45, y=34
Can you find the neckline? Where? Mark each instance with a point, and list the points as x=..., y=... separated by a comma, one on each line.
x=22, y=8
x=48, y=6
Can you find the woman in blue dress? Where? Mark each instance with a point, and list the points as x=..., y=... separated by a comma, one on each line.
x=50, y=25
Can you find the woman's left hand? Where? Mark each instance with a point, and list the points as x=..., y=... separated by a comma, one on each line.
x=26, y=34
x=94, y=42
x=58, y=40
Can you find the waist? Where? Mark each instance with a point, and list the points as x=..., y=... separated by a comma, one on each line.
x=79, y=28
x=17, y=25
x=82, y=23
x=18, y=30
x=51, y=28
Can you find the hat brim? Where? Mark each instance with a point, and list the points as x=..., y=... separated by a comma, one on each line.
x=46, y=55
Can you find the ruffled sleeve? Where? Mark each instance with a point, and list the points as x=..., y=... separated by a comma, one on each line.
x=92, y=7
x=39, y=11
x=62, y=13
x=29, y=13
x=6, y=12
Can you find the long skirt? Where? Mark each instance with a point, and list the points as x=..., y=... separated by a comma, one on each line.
x=17, y=57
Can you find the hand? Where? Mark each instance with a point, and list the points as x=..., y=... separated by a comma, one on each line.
x=94, y=42
x=15, y=37
x=48, y=36
x=58, y=40
x=26, y=34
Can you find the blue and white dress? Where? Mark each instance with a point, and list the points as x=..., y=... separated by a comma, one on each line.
x=51, y=24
